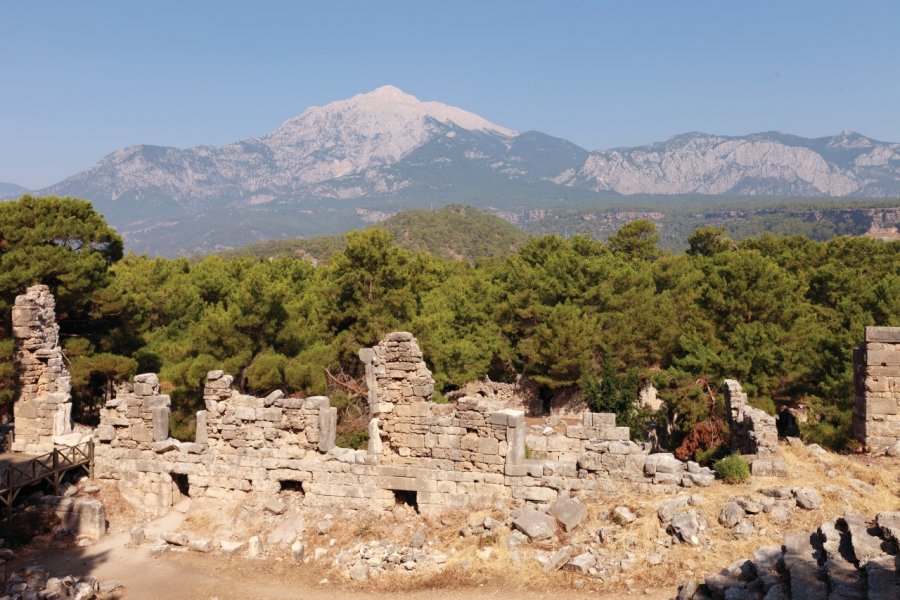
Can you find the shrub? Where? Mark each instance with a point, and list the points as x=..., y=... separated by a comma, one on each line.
x=732, y=469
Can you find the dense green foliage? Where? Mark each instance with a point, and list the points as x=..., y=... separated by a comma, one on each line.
x=732, y=469
x=452, y=232
x=64, y=243
x=778, y=314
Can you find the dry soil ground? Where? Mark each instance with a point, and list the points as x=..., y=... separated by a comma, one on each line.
x=188, y=575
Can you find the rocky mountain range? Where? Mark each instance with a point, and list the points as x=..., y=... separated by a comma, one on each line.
x=11, y=190
x=386, y=150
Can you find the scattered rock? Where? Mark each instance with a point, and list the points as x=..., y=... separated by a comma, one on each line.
x=418, y=538
x=894, y=451
x=323, y=526
x=732, y=514
x=687, y=526
x=623, y=515
x=668, y=510
x=535, y=524
x=862, y=487
x=175, y=538
x=298, y=549
x=777, y=492
x=807, y=498
x=570, y=513
x=359, y=572
x=581, y=564
x=780, y=514
x=275, y=506
x=553, y=561
x=255, y=548
x=228, y=547
x=137, y=535
x=201, y=545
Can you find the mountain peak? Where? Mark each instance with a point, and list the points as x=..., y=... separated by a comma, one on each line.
x=389, y=91
x=371, y=129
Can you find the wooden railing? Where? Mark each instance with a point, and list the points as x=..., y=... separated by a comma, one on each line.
x=46, y=467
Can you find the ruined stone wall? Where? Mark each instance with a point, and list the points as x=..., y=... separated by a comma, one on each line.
x=571, y=442
x=876, y=373
x=43, y=408
x=137, y=417
x=465, y=455
x=242, y=443
x=754, y=433
x=274, y=424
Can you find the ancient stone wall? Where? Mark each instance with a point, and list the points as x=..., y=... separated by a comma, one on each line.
x=876, y=373
x=473, y=453
x=753, y=433
x=290, y=426
x=43, y=408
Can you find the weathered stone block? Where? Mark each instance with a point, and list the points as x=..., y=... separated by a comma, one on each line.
x=890, y=335
x=160, y=423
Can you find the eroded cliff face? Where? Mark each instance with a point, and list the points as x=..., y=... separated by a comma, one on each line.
x=760, y=164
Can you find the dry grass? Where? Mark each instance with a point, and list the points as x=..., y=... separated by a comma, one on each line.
x=646, y=535
x=119, y=512
x=467, y=568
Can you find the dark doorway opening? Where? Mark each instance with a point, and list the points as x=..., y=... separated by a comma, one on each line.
x=292, y=486
x=407, y=497
x=181, y=482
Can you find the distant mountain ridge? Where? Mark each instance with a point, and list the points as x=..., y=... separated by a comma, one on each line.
x=453, y=232
x=386, y=151
x=11, y=190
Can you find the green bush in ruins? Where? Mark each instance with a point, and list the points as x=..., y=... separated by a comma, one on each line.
x=732, y=469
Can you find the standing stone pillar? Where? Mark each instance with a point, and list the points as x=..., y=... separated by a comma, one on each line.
x=43, y=406
x=400, y=391
x=876, y=378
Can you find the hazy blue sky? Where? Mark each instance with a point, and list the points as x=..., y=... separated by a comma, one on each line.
x=80, y=79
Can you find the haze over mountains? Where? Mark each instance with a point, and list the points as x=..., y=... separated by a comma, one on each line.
x=332, y=166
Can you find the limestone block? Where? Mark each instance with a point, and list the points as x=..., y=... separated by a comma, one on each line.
x=882, y=406
x=62, y=420
x=200, y=434
x=663, y=462
x=570, y=513
x=106, y=433
x=885, y=358
x=147, y=378
x=268, y=414
x=535, y=524
x=327, y=427
x=139, y=433
x=890, y=335
x=160, y=423
x=84, y=516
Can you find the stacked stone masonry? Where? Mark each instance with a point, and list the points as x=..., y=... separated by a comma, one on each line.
x=876, y=368
x=43, y=408
x=754, y=433
x=469, y=454
x=460, y=456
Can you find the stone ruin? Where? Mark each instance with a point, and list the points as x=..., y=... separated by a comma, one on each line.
x=43, y=408
x=876, y=375
x=754, y=433
x=435, y=456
